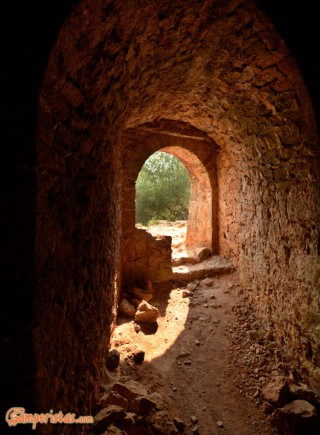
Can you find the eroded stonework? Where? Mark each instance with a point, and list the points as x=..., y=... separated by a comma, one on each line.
x=219, y=67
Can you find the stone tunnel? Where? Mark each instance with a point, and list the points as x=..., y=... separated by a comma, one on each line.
x=211, y=82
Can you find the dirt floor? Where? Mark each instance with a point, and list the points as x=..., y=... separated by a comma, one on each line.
x=208, y=357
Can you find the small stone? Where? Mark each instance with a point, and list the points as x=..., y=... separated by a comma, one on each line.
x=297, y=417
x=133, y=424
x=142, y=405
x=277, y=391
x=112, y=399
x=174, y=389
x=179, y=424
x=195, y=430
x=202, y=253
x=126, y=308
x=137, y=327
x=197, y=342
x=191, y=286
x=130, y=390
x=267, y=408
x=188, y=362
x=106, y=417
x=194, y=419
x=146, y=313
x=112, y=359
x=186, y=293
x=207, y=282
x=138, y=356
x=220, y=424
x=182, y=354
x=301, y=391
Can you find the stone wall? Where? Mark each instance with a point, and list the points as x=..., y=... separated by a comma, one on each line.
x=152, y=259
x=218, y=66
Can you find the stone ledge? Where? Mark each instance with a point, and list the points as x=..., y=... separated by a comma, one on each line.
x=211, y=266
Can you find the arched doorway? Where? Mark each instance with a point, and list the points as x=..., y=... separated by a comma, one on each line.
x=233, y=80
x=139, y=261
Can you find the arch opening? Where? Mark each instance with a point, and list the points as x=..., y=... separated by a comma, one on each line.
x=147, y=258
x=162, y=200
x=162, y=190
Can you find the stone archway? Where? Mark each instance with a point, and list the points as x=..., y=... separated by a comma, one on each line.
x=142, y=258
x=220, y=67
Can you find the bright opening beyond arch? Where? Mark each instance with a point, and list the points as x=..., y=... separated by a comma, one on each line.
x=162, y=190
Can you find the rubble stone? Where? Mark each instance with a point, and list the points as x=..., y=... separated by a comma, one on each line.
x=180, y=424
x=130, y=390
x=106, y=416
x=126, y=308
x=301, y=391
x=297, y=418
x=112, y=359
x=146, y=313
x=138, y=356
x=277, y=391
x=142, y=405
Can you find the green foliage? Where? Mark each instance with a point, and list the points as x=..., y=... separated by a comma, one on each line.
x=162, y=189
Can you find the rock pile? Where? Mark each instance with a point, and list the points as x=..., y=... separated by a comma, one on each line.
x=128, y=407
x=135, y=304
x=291, y=412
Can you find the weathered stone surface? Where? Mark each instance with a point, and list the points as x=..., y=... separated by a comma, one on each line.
x=129, y=390
x=107, y=416
x=301, y=391
x=210, y=267
x=277, y=391
x=133, y=425
x=107, y=82
x=115, y=399
x=192, y=286
x=147, y=260
x=142, y=405
x=146, y=313
x=297, y=418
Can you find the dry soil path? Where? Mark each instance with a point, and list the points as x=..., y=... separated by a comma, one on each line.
x=200, y=358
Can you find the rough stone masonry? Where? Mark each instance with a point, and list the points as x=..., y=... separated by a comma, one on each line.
x=219, y=67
